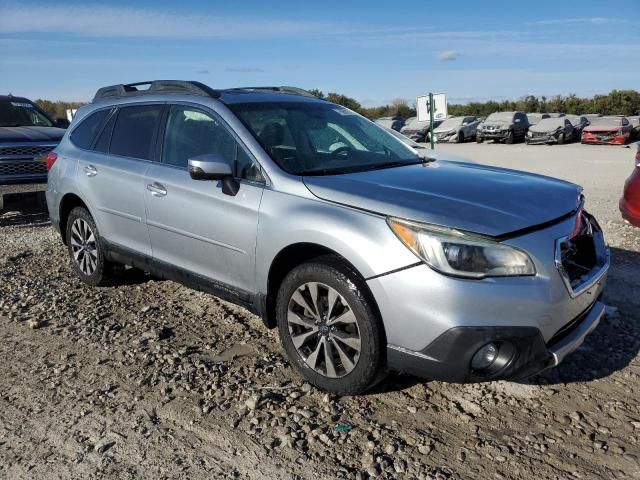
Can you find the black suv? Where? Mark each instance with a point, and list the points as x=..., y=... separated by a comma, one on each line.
x=507, y=127
x=27, y=134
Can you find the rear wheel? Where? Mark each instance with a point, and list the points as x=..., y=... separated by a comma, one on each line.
x=329, y=328
x=86, y=249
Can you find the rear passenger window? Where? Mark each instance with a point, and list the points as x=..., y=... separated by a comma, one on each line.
x=102, y=144
x=134, y=131
x=83, y=135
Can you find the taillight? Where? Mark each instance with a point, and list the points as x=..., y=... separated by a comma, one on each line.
x=51, y=159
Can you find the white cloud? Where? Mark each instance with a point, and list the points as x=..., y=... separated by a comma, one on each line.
x=244, y=69
x=107, y=21
x=582, y=20
x=448, y=55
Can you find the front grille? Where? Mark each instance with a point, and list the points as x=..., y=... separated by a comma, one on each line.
x=25, y=150
x=22, y=168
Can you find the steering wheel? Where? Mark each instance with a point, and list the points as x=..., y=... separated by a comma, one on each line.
x=341, y=150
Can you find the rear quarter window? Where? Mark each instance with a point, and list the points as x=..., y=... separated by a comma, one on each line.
x=83, y=135
x=135, y=131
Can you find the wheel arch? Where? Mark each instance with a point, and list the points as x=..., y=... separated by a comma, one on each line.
x=296, y=254
x=68, y=202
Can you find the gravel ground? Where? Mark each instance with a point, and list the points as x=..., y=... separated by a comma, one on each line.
x=152, y=380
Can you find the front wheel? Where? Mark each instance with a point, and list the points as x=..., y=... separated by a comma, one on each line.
x=329, y=327
x=479, y=139
x=561, y=139
x=509, y=138
x=460, y=138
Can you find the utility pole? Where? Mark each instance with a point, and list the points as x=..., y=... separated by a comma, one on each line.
x=431, y=120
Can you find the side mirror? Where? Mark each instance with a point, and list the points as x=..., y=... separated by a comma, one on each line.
x=62, y=123
x=214, y=167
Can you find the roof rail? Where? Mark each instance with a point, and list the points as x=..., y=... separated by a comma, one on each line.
x=156, y=87
x=283, y=89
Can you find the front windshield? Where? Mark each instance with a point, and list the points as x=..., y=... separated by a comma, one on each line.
x=450, y=123
x=500, y=117
x=306, y=138
x=21, y=114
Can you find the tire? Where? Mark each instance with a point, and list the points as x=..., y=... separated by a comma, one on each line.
x=479, y=139
x=509, y=139
x=460, y=138
x=561, y=139
x=86, y=250
x=321, y=356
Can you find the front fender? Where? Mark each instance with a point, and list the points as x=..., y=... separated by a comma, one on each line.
x=364, y=239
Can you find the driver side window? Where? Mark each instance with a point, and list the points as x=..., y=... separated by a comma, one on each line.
x=191, y=132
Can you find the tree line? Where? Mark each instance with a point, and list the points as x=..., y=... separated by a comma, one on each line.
x=616, y=102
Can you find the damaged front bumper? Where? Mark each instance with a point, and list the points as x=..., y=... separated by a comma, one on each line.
x=604, y=138
x=542, y=139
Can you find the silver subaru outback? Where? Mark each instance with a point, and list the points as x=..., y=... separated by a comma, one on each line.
x=367, y=256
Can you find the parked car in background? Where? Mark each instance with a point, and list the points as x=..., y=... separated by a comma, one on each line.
x=366, y=257
x=417, y=130
x=456, y=129
x=551, y=130
x=534, y=118
x=395, y=123
x=578, y=122
x=634, y=120
x=556, y=115
x=608, y=130
x=630, y=201
x=507, y=127
x=27, y=134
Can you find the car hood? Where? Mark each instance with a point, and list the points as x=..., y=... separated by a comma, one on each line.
x=504, y=124
x=537, y=128
x=603, y=127
x=31, y=134
x=475, y=198
x=445, y=130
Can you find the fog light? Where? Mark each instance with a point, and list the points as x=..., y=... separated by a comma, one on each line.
x=484, y=357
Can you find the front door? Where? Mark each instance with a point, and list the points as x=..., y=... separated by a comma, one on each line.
x=192, y=224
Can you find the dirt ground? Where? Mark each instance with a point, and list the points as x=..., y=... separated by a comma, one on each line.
x=152, y=380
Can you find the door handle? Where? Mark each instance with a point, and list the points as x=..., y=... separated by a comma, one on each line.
x=156, y=189
x=90, y=171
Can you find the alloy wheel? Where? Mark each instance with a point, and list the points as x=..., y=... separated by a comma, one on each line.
x=324, y=330
x=84, y=247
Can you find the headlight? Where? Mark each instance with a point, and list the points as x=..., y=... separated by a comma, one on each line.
x=453, y=252
x=529, y=134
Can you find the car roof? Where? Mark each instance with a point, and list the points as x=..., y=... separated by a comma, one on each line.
x=11, y=98
x=257, y=95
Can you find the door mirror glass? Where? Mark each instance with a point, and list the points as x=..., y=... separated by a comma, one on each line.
x=209, y=167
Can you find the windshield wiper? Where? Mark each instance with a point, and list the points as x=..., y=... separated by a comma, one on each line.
x=361, y=168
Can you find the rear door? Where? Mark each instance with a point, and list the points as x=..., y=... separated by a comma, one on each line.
x=111, y=175
x=192, y=224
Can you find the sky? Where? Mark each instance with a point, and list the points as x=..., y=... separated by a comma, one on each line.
x=372, y=51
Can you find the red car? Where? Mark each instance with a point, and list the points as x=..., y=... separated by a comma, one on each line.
x=630, y=201
x=608, y=130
